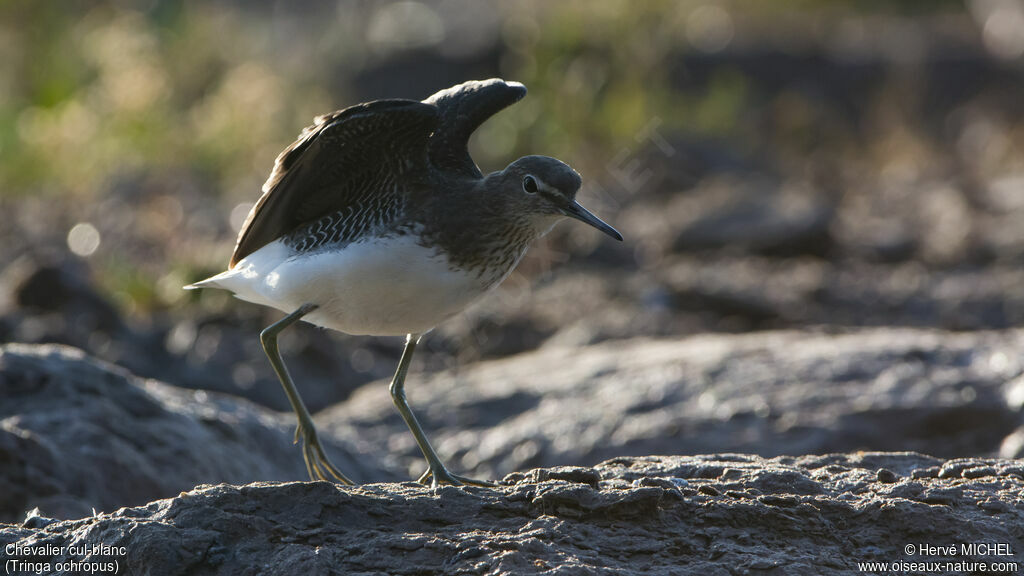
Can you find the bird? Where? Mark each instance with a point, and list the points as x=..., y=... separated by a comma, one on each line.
x=377, y=221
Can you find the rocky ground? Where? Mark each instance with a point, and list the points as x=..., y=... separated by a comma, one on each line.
x=771, y=393
x=82, y=439
x=716, y=514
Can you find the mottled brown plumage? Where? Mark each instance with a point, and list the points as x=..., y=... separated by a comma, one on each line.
x=368, y=159
x=347, y=160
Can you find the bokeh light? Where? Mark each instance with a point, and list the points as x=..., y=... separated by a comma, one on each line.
x=83, y=239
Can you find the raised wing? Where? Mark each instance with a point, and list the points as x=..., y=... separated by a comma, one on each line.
x=344, y=158
x=463, y=109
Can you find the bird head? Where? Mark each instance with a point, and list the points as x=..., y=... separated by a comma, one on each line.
x=545, y=190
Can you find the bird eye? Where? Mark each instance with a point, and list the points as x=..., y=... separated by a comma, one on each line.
x=530, y=185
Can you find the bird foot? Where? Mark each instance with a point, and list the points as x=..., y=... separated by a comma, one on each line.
x=318, y=465
x=447, y=478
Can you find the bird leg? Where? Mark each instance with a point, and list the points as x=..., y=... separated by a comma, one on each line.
x=318, y=465
x=436, y=471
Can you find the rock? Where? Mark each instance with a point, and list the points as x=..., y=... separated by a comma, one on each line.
x=60, y=288
x=746, y=292
x=78, y=434
x=886, y=476
x=717, y=514
x=692, y=293
x=55, y=300
x=756, y=217
x=1013, y=445
x=769, y=393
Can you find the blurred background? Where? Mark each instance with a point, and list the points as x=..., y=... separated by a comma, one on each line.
x=793, y=163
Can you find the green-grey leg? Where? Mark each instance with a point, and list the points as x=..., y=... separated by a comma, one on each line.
x=436, y=470
x=318, y=465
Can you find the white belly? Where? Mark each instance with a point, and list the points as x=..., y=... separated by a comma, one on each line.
x=379, y=286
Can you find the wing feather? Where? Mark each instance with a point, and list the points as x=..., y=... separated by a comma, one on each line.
x=462, y=110
x=342, y=159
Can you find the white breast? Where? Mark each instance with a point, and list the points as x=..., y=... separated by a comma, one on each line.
x=381, y=286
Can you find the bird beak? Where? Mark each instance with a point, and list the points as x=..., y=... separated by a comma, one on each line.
x=575, y=210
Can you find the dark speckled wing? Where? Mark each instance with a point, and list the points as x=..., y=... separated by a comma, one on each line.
x=361, y=158
x=463, y=109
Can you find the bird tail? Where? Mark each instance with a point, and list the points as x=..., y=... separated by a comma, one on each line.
x=211, y=282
